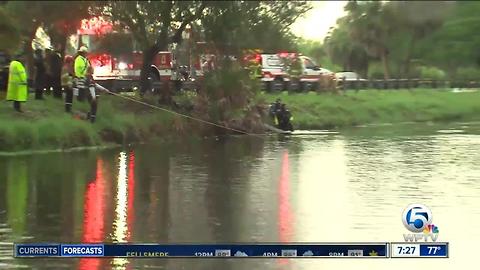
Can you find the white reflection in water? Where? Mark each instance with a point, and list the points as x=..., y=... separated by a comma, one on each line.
x=120, y=229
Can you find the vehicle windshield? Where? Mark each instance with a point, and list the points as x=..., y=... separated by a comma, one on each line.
x=308, y=63
x=103, y=43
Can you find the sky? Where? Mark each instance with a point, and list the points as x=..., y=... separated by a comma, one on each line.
x=315, y=24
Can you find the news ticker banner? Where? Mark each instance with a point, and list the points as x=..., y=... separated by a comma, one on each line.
x=319, y=250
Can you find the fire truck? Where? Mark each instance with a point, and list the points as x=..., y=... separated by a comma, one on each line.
x=119, y=71
x=275, y=71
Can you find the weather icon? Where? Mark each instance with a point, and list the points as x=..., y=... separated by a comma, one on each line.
x=308, y=253
x=240, y=254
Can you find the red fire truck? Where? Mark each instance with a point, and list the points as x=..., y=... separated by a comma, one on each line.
x=122, y=71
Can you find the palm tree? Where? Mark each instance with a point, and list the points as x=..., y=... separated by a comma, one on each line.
x=370, y=26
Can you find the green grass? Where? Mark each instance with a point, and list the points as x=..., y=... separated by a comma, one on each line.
x=319, y=111
x=45, y=125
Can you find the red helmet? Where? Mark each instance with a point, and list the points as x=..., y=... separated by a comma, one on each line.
x=68, y=59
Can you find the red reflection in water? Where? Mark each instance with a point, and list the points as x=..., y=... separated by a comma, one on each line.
x=93, y=223
x=131, y=194
x=285, y=215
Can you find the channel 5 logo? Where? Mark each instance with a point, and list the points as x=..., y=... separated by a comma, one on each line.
x=417, y=218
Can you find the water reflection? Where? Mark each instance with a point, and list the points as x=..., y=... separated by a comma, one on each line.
x=307, y=188
x=17, y=193
x=94, y=216
x=120, y=227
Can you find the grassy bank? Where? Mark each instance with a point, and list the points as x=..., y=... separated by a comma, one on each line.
x=324, y=111
x=45, y=125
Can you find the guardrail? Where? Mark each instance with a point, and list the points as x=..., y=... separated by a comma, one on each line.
x=127, y=85
x=405, y=84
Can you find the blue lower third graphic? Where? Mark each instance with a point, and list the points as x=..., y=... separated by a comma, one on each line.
x=37, y=250
x=82, y=250
x=434, y=250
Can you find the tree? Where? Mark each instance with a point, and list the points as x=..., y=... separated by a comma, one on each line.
x=418, y=19
x=8, y=33
x=59, y=19
x=63, y=19
x=370, y=26
x=344, y=51
x=231, y=26
x=455, y=44
x=154, y=25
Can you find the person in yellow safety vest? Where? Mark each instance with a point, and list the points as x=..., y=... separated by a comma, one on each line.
x=255, y=69
x=295, y=71
x=17, y=90
x=295, y=68
x=80, y=68
x=83, y=72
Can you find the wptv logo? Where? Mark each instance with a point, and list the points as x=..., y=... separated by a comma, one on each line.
x=417, y=218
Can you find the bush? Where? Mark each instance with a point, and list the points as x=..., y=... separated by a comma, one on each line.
x=467, y=74
x=227, y=95
x=431, y=73
x=185, y=100
x=375, y=71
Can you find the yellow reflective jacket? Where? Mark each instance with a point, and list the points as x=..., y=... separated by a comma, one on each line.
x=17, y=82
x=81, y=66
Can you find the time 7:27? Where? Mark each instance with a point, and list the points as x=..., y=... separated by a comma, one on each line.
x=406, y=250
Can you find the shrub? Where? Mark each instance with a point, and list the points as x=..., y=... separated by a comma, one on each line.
x=467, y=74
x=227, y=94
x=375, y=71
x=432, y=73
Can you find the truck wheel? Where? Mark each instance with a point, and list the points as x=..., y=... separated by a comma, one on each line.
x=268, y=87
x=301, y=86
x=278, y=84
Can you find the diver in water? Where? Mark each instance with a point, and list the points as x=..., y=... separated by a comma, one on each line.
x=285, y=118
x=274, y=108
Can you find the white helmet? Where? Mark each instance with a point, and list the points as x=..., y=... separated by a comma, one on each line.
x=83, y=49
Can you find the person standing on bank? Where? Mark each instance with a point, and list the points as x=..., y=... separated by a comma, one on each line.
x=17, y=90
x=56, y=72
x=67, y=82
x=40, y=73
x=48, y=71
x=80, y=65
x=84, y=81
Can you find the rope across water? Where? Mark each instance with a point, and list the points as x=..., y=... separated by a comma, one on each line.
x=176, y=113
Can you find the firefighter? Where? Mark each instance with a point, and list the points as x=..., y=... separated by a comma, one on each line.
x=295, y=71
x=40, y=73
x=255, y=69
x=67, y=82
x=80, y=66
x=56, y=72
x=17, y=90
x=84, y=81
x=48, y=71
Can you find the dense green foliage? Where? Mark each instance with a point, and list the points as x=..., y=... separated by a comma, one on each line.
x=395, y=39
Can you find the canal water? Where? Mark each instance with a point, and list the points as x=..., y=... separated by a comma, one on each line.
x=321, y=187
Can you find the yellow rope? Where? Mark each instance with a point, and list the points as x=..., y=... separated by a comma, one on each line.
x=179, y=114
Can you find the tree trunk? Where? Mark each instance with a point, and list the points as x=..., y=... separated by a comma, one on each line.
x=386, y=68
x=28, y=51
x=406, y=67
x=148, y=56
